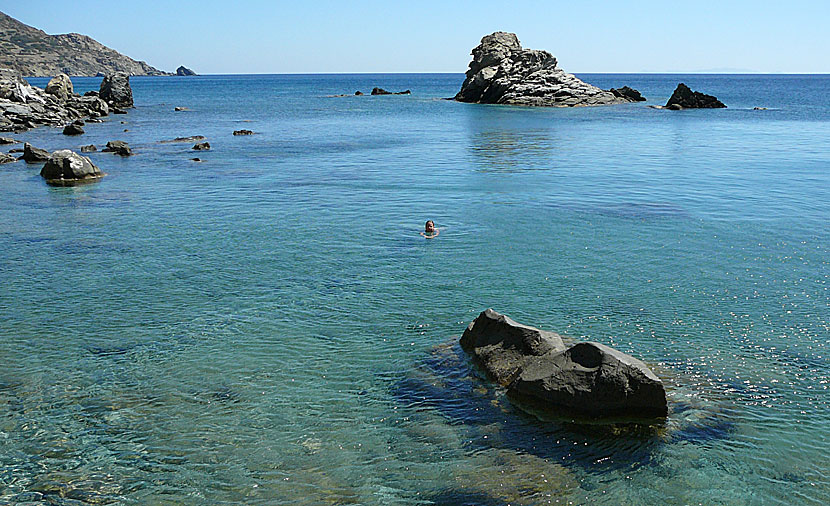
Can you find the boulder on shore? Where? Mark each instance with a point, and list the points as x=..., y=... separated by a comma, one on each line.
x=67, y=168
x=684, y=98
x=502, y=72
x=588, y=379
x=116, y=91
x=60, y=86
x=34, y=155
x=502, y=346
x=118, y=147
x=184, y=71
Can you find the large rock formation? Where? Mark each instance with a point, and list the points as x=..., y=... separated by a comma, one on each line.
x=116, y=91
x=502, y=72
x=184, y=71
x=23, y=106
x=67, y=168
x=34, y=53
x=60, y=86
x=685, y=98
x=588, y=379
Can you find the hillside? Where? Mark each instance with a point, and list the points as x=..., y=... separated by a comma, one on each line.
x=33, y=52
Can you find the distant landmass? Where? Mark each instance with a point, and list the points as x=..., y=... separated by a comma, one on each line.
x=33, y=52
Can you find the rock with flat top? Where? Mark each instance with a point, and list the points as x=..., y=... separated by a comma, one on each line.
x=243, y=132
x=381, y=91
x=502, y=346
x=502, y=72
x=67, y=168
x=684, y=98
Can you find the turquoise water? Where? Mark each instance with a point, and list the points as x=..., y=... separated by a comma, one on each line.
x=267, y=326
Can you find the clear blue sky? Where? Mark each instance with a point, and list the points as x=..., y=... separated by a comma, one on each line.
x=259, y=36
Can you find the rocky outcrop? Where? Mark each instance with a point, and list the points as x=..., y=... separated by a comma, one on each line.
x=587, y=379
x=684, y=98
x=32, y=154
x=381, y=91
x=627, y=93
x=202, y=146
x=23, y=106
x=502, y=346
x=116, y=91
x=60, y=86
x=67, y=168
x=184, y=71
x=502, y=72
x=118, y=147
x=34, y=53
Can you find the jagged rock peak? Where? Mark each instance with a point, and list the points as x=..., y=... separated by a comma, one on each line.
x=502, y=72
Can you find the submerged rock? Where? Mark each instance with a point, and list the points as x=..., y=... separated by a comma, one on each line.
x=118, y=147
x=243, y=132
x=66, y=168
x=587, y=379
x=34, y=155
x=381, y=91
x=502, y=72
x=684, y=98
x=502, y=346
x=116, y=91
x=192, y=138
x=184, y=71
x=592, y=379
x=60, y=86
x=202, y=146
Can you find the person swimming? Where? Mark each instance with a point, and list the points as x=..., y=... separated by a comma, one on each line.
x=429, y=230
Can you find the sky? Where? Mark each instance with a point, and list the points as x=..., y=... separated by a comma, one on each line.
x=322, y=36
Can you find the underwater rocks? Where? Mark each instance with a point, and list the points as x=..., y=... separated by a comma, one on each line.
x=588, y=379
x=116, y=91
x=67, y=168
x=502, y=72
x=685, y=98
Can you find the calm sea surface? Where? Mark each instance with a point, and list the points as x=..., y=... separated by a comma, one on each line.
x=267, y=326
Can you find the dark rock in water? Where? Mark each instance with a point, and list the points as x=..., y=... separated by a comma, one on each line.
x=358, y=93
x=34, y=155
x=115, y=90
x=88, y=149
x=16, y=150
x=502, y=346
x=8, y=140
x=196, y=159
x=202, y=146
x=78, y=122
x=192, y=138
x=4, y=158
x=116, y=110
x=381, y=91
x=60, y=86
x=243, y=132
x=118, y=147
x=66, y=168
x=181, y=109
x=502, y=72
x=594, y=380
x=759, y=108
x=588, y=379
x=73, y=129
x=685, y=98
x=91, y=93
x=184, y=71
x=627, y=93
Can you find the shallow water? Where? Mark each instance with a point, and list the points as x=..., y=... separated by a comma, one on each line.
x=268, y=327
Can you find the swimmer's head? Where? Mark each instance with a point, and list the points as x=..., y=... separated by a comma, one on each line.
x=429, y=226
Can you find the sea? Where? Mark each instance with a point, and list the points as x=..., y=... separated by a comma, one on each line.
x=267, y=326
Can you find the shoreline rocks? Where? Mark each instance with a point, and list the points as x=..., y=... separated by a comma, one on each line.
x=502, y=72
x=67, y=168
x=587, y=379
x=116, y=91
x=684, y=98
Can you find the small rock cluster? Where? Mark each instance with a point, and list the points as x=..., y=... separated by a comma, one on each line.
x=588, y=379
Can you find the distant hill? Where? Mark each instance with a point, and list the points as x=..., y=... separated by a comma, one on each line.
x=33, y=52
